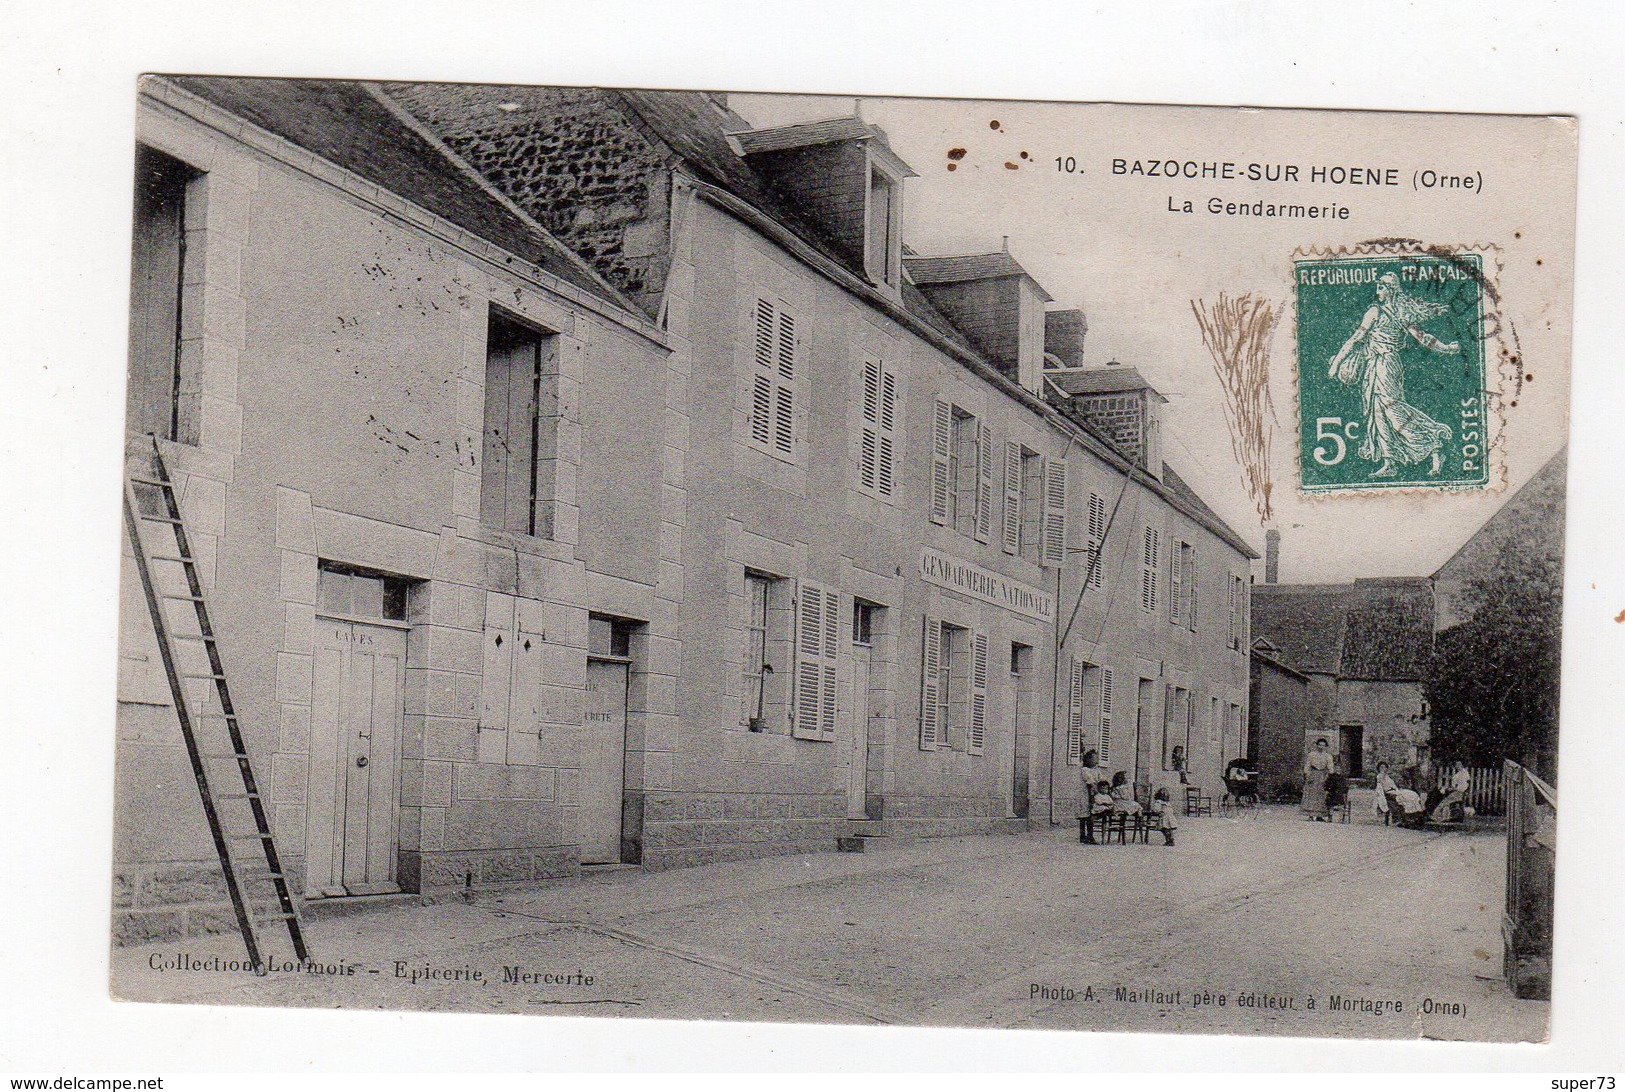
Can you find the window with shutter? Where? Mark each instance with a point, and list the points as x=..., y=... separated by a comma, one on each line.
x=1150, y=569
x=1097, y=540
x=773, y=380
x=818, y=627
x=978, y=693
x=931, y=694
x=1105, y=714
x=1074, y=713
x=877, y=444
x=1055, y=513
x=1012, y=498
x=942, y=443
x=984, y=484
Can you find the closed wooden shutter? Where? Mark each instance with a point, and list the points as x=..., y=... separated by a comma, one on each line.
x=984, y=483
x=1012, y=497
x=931, y=685
x=818, y=624
x=1150, y=569
x=1105, y=714
x=773, y=382
x=1055, y=513
x=942, y=441
x=1176, y=583
x=978, y=693
x=1074, y=713
x=1097, y=540
x=886, y=457
x=869, y=441
x=877, y=445
x=1192, y=583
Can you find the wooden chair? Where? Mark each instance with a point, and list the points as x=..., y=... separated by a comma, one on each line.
x=1196, y=803
x=1113, y=823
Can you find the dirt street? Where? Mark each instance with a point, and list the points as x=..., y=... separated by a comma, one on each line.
x=1261, y=924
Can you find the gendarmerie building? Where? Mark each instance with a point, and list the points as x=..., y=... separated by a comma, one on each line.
x=584, y=477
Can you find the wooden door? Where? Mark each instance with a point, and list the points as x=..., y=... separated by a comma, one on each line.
x=857, y=770
x=355, y=747
x=603, y=762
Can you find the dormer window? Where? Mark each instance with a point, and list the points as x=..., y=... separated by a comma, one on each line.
x=842, y=180
x=882, y=254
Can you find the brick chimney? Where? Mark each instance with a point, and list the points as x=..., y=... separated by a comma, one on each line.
x=1117, y=404
x=1272, y=556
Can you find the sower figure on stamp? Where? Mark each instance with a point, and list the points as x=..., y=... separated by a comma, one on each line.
x=1395, y=430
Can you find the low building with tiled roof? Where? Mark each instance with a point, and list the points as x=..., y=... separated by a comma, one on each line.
x=1362, y=651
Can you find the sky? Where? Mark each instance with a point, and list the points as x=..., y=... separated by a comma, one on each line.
x=1042, y=175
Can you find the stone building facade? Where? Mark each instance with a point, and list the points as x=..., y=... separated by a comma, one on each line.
x=680, y=523
x=1361, y=651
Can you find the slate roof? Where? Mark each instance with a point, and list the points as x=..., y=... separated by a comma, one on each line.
x=347, y=126
x=957, y=268
x=803, y=134
x=1176, y=485
x=1304, y=621
x=1109, y=380
x=1371, y=629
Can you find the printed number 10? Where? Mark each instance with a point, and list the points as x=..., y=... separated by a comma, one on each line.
x=1323, y=455
x=1066, y=164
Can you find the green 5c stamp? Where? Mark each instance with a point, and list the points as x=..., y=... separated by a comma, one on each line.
x=1391, y=370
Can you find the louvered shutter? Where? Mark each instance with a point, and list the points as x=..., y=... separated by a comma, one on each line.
x=761, y=406
x=1012, y=497
x=1150, y=568
x=1055, y=513
x=1097, y=539
x=818, y=621
x=978, y=693
x=869, y=443
x=984, y=483
x=773, y=380
x=931, y=685
x=832, y=637
x=1232, y=629
x=942, y=440
x=886, y=456
x=784, y=407
x=1074, y=713
x=1105, y=714
x=1176, y=583
x=1192, y=584
x=1242, y=638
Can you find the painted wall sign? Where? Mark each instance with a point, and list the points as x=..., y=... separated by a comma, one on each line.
x=946, y=571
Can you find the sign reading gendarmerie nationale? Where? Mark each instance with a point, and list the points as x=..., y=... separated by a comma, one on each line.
x=947, y=571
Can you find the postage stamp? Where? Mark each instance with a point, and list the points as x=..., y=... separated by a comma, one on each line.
x=1392, y=376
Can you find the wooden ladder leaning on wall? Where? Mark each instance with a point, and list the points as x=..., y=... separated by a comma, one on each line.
x=190, y=650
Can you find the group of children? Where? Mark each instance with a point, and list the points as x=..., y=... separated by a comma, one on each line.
x=1117, y=797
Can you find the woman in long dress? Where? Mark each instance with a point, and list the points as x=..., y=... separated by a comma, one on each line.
x=1395, y=430
x=1317, y=767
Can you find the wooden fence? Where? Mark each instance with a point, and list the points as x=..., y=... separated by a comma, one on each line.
x=1488, y=794
x=1526, y=923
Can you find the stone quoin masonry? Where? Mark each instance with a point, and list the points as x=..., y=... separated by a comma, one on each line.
x=615, y=470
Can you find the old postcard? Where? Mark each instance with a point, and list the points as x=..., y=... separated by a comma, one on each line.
x=704, y=555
